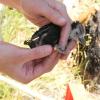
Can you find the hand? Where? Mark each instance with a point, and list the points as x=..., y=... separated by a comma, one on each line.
x=42, y=12
x=25, y=65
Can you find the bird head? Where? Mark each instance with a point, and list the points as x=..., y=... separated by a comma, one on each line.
x=78, y=32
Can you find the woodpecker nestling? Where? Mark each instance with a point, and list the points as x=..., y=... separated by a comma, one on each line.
x=50, y=34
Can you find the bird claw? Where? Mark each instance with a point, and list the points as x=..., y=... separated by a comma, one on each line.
x=60, y=49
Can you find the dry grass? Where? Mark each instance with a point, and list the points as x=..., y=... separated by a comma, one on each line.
x=15, y=29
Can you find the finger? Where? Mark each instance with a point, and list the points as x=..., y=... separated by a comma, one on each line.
x=52, y=3
x=42, y=21
x=46, y=66
x=54, y=16
x=66, y=30
x=39, y=21
x=50, y=62
x=59, y=7
x=38, y=60
x=64, y=36
x=70, y=46
x=35, y=53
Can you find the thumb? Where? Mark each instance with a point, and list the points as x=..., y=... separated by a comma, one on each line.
x=36, y=53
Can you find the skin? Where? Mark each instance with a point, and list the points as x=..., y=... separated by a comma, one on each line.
x=23, y=64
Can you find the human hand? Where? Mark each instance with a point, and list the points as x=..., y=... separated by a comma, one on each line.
x=24, y=65
x=42, y=12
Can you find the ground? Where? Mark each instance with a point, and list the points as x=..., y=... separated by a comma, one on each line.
x=14, y=29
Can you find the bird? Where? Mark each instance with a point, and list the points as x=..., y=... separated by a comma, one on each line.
x=50, y=34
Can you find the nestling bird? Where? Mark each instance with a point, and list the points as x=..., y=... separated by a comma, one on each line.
x=50, y=34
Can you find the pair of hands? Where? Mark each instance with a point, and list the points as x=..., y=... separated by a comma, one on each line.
x=24, y=64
